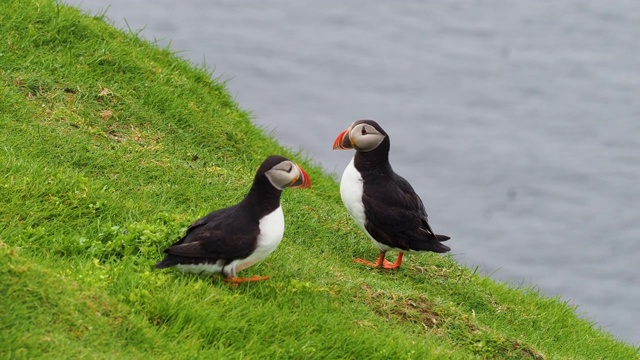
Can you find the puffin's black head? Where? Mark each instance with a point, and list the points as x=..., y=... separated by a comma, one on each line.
x=362, y=135
x=283, y=173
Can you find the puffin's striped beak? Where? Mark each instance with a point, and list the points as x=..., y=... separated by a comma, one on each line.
x=302, y=181
x=343, y=141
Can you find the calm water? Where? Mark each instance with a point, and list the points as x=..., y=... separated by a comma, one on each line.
x=518, y=123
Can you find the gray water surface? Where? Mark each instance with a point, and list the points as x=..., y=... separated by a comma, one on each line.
x=518, y=123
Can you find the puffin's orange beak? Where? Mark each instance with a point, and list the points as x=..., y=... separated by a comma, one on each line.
x=302, y=182
x=343, y=141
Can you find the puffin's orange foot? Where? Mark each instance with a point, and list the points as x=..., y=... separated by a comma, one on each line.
x=381, y=263
x=234, y=281
x=390, y=266
x=386, y=264
x=365, y=262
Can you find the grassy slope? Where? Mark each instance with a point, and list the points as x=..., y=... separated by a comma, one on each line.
x=110, y=147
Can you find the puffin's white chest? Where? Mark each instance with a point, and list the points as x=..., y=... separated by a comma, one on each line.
x=271, y=232
x=351, y=190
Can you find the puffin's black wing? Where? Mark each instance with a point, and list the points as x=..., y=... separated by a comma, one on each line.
x=396, y=216
x=224, y=234
x=215, y=217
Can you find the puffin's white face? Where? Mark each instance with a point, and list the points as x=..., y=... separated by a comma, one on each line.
x=361, y=136
x=365, y=137
x=288, y=174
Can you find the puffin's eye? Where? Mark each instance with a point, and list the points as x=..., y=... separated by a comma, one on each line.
x=290, y=168
x=364, y=130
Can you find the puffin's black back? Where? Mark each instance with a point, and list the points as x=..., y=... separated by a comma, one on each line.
x=229, y=233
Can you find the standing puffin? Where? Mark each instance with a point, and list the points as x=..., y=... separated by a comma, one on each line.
x=232, y=239
x=380, y=201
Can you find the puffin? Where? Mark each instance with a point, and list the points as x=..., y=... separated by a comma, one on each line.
x=231, y=239
x=382, y=203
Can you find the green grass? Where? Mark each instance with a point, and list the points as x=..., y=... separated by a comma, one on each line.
x=110, y=147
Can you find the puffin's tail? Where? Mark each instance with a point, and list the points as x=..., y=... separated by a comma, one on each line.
x=433, y=243
x=442, y=237
x=168, y=261
x=437, y=246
